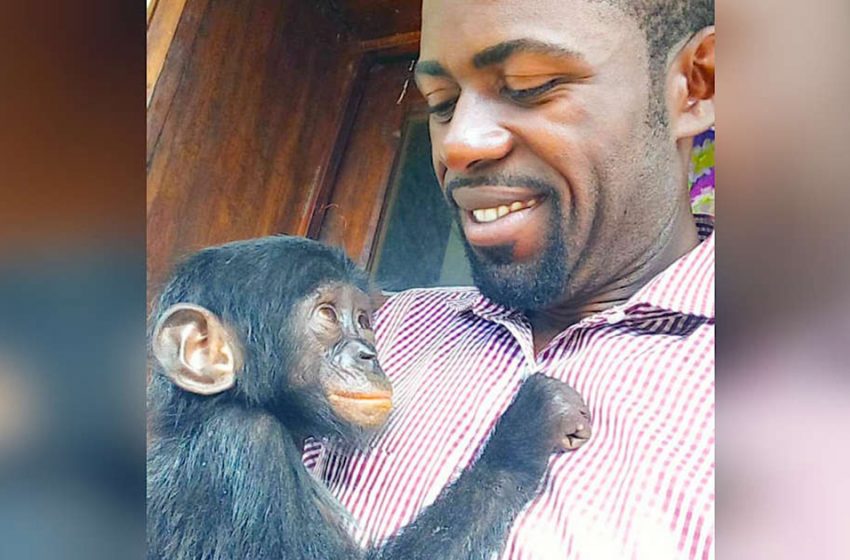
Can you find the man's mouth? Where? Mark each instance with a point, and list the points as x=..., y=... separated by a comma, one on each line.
x=506, y=216
x=487, y=215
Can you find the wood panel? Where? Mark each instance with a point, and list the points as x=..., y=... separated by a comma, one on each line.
x=371, y=19
x=241, y=126
x=174, y=66
x=163, y=17
x=400, y=44
x=353, y=215
x=151, y=9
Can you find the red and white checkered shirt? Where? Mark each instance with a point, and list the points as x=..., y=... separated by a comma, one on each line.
x=641, y=488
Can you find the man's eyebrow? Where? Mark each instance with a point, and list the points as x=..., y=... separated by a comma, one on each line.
x=500, y=52
x=430, y=68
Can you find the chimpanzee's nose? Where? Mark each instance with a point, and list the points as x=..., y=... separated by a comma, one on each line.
x=356, y=354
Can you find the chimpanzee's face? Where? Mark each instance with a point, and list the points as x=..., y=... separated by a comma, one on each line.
x=337, y=356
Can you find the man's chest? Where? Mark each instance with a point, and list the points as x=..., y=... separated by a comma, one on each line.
x=647, y=471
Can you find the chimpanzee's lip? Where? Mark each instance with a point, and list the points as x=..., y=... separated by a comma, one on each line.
x=369, y=410
x=355, y=396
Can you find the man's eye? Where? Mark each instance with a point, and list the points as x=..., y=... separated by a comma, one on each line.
x=442, y=112
x=529, y=94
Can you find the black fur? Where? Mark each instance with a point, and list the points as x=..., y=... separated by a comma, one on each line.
x=225, y=474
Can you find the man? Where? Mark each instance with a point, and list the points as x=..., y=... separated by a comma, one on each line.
x=561, y=133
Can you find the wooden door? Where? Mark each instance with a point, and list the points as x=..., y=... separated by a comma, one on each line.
x=352, y=216
x=385, y=207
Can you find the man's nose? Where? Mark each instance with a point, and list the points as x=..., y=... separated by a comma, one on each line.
x=474, y=136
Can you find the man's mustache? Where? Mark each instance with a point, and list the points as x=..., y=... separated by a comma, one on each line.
x=498, y=180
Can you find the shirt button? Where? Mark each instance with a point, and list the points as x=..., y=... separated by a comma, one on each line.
x=616, y=316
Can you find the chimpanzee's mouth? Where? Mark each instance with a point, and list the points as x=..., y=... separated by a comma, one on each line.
x=369, y=410
x=355, y=396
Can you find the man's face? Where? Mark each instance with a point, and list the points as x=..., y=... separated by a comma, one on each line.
x=542, y=143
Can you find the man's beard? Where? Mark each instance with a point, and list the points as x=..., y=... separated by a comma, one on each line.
x=527, y=286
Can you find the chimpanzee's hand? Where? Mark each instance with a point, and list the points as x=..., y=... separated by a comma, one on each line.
x=569, y=418
x=471, y=517
x=546, y=416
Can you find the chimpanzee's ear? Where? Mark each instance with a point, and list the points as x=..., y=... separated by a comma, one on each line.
x=196, y=350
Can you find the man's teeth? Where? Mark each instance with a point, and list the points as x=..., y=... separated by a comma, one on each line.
x=485, y=215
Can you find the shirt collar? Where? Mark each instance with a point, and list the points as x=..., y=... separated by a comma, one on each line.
x=686, y=286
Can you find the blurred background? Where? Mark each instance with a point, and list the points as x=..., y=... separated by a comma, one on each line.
x=90, y=169
x=783, y=291
x=72, y=280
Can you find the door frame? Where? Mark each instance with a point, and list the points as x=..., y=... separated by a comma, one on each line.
x=402, y=49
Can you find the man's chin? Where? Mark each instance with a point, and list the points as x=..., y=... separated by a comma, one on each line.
x=528, y=285
x=520, y=286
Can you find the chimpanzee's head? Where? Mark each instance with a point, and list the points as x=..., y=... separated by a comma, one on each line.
x=278, y=323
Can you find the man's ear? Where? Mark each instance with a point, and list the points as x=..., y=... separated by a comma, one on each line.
x=196, y=350
x=690, y=81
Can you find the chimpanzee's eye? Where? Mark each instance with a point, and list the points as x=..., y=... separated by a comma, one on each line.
x=364, y=322
x=328, y=313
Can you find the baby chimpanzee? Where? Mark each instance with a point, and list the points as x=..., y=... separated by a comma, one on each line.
x=257, y=345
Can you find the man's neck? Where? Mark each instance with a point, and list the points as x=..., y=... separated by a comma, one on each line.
x=546, y=324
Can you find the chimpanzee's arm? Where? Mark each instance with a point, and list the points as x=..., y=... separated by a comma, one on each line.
x=235, y=487
x=470, y=519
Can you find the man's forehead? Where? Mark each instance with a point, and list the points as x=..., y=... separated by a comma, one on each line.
x=469, y=28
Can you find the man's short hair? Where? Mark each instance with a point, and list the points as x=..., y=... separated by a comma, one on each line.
x=665, y=23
